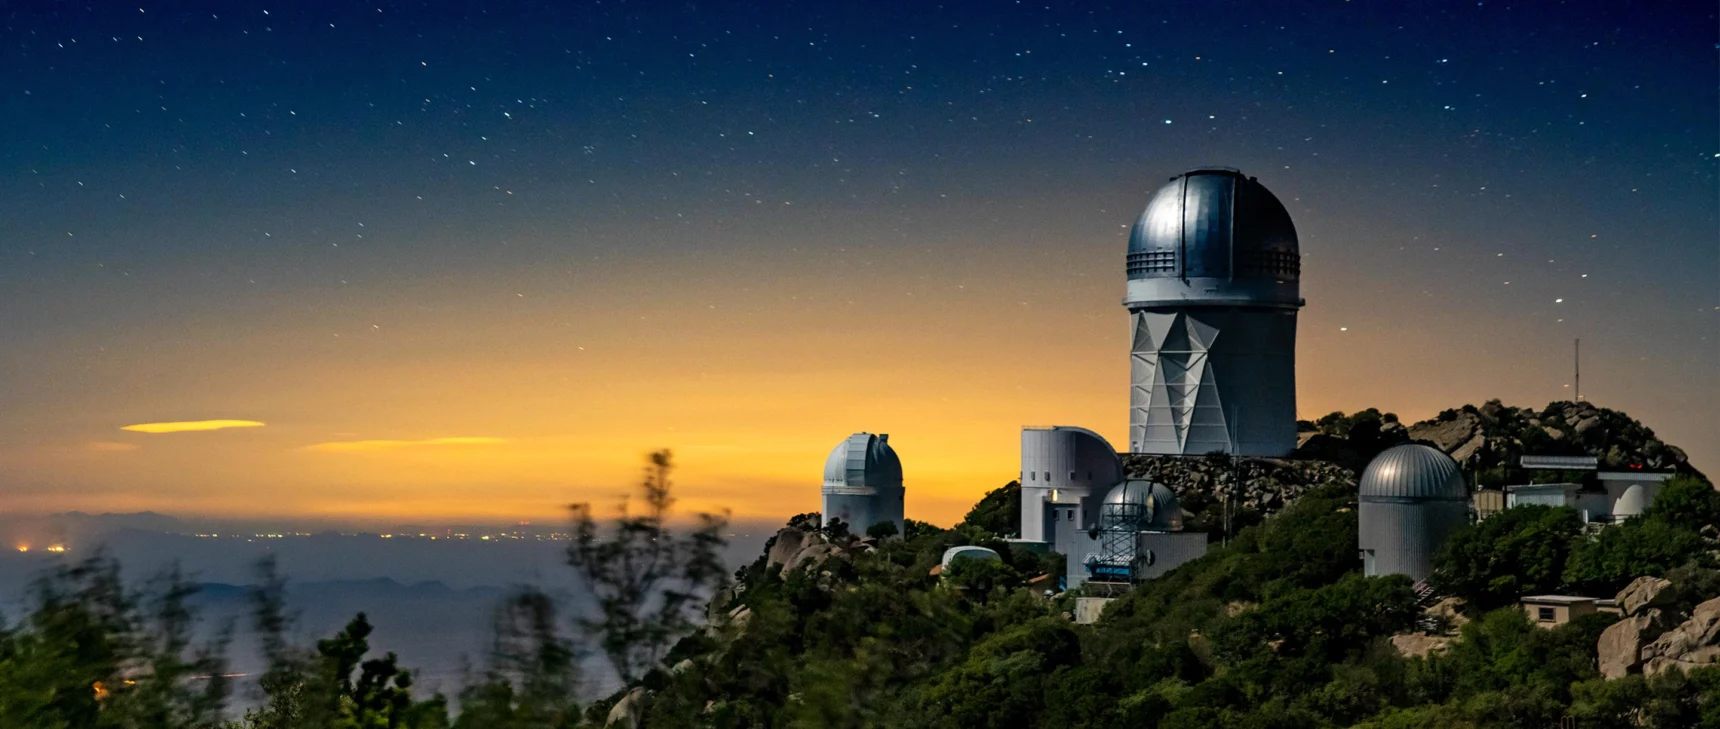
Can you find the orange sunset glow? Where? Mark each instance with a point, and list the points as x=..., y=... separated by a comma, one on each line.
x=477, y=401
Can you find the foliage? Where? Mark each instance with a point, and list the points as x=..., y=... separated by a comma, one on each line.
x=998, y=512
x=647, y=578
x=1667, y=536
x=1686, y=501
x=93, y=654
x=306, y=689
x=882, y=530
x=1520, y=551
x=1274, y=628
x=531, y=678
x=1367, y=431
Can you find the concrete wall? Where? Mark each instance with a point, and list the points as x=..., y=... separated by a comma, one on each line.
x=1562, y=612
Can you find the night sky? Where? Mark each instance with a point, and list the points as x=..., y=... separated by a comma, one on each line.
x=473, y=259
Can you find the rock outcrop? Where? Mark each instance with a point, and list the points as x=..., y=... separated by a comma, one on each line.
x=788, y=542
x=1418, y=645
x=1619, y=652
x=1645, y=592
x=1653, y=636
x=1693, y=644
x=1496, y=435
x=811, y=555
x=627, y=713
x=1448, y=435
x=1267, y=484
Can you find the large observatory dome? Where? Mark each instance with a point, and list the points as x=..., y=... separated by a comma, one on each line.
x=1413, y=472
x=862, y=464
x=863, y=484
x=1213, y=235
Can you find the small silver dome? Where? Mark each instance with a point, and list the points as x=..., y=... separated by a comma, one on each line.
x=1157, y=506
x=862, y=464
x=954, y=554
x=1413, y=472
x=1213, y=222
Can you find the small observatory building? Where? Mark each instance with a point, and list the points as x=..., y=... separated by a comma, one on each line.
x=1068, y=476
x=1064, y=472
x=1412, y=497
x=863, y=484
x=1213, y=290
x=1141, y=534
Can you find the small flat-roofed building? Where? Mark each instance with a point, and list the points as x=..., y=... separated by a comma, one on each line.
x=1549, y=611
x=1603, y=497
x=1541, y=494
x=1488, y=502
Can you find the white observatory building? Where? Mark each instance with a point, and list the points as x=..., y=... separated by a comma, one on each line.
x=1412, y=498
x=1065, y=471
x=1213, y=266
x=1075, y=501
x=863, y=484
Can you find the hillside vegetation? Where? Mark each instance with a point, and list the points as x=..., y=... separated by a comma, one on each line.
x=1274, y=627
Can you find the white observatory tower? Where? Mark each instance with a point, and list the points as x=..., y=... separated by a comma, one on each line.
x=863, y=484
x=1212, y=289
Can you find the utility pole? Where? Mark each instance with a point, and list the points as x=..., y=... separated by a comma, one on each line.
x=1235, y=473
x=1577, y=366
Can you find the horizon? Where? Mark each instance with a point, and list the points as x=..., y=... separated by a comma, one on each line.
x=335, y=261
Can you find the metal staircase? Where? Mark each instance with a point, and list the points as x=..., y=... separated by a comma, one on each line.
x=1425, y=597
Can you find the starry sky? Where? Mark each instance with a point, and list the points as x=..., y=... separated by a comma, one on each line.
x=460, y=260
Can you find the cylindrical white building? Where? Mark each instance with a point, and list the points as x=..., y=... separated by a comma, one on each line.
x=863, y=484
x=1412, y=497
x=1213, y=271
x=1065, y=471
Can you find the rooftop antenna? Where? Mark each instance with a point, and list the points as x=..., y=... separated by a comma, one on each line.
x=1577, y=366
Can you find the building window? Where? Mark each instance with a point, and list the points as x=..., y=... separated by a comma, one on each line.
x=1545, y=614
x=1048, y=475
x=1071, y=475
x=1033, y=476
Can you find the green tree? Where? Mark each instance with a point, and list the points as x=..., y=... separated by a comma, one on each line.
x=1002, y=681
x=882, y=530
x=531, y=677
x=647, y=578
x=1520, y=551
x=998, y=512
x=334, y=686
x=1604, y=564
x=1686, y=502
x=93, y=654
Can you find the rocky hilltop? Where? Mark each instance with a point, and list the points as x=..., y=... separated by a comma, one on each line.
x=1487, y=440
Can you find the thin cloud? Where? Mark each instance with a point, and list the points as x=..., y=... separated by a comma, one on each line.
x=187, y=426
x=372, y=446
x=104, y=446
